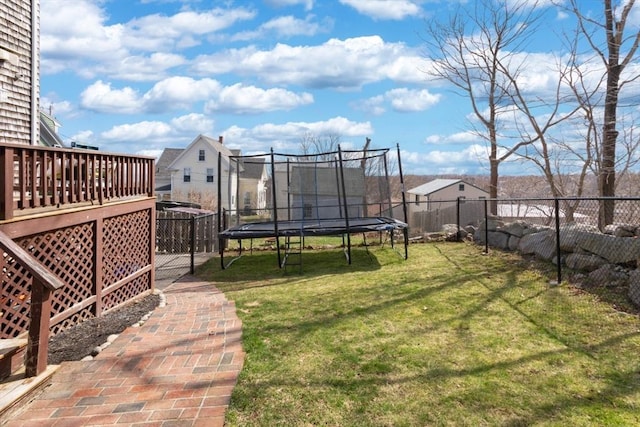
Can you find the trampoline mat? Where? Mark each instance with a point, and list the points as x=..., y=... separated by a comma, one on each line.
x=316, y=227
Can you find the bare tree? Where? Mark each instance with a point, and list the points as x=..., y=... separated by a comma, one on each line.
x=472, y=51
x=320, y=147
x=616, y=54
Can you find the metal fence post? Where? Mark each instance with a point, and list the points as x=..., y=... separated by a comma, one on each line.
x=458, y=219
x=486, y=226
x=558, y=257
x=193, y=244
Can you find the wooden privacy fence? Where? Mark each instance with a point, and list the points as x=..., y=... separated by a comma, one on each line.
x=182, y=232
x=452, y=213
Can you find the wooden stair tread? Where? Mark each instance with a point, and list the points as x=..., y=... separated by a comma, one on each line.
x=10, y=346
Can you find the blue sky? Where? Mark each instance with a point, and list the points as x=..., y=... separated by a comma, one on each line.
x=139, y=76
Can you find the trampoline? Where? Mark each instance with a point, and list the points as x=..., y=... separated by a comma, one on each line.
x=322, y=227
x=324, y=194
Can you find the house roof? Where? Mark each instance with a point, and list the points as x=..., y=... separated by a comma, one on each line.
x=437, y=185
x=253, y=169
x=48, y=131
x=214, y=143
x=166, y=158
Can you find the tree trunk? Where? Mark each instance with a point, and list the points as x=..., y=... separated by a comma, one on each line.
x=607, y=178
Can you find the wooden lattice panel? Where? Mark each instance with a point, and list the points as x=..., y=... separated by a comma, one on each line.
x=126, y=250
x=14, y=298
x=126, y=293
x=68, y=253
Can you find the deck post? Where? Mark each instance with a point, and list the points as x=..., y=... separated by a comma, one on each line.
x=38, y=342
x=6, y=183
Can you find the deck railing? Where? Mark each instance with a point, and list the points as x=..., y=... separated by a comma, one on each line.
x=44, y=282
x=37, y=178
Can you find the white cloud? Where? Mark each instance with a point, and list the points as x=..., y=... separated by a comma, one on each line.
x=192, y=124
x=286, y=26
x=160, y=32
x=467, y=137
x=101, y=97
x=136, y=132
x=308, y=4
x=402, y=100
x=407, y=100
x=240, y=99
x=346, y=64
x=176, y=93
x=460, y=162
x=287, y=136
x=79, y=39
x=179, y=92
x=385, y=9
x=373, y=105
x=148, y=135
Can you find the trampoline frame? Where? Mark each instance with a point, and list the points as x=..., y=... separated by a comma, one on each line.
x=343, y=226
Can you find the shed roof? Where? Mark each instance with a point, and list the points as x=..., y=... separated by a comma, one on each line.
x=435, y=185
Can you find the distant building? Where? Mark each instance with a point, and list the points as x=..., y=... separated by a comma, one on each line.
x=191, y=174
x=163, y=174
x=442, y=193
x=49, y=127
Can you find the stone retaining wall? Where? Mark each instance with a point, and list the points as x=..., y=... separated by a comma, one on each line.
x=609, y=258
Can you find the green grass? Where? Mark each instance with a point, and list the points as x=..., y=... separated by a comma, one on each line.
x=447, y=337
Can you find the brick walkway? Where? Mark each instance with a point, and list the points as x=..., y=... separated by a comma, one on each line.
x=177, y=369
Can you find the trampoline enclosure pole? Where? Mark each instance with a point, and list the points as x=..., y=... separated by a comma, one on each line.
x=346, y=207
x=404, y=206
x=275, y=206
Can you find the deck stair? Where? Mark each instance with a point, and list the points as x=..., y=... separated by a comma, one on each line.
x=12, y=351
x=15, y=387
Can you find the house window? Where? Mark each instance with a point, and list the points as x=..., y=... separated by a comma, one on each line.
x=209, y=174
x=201, y=155
x=308, y=210
x=187, y=175
x=460, y=187
x=417, y=201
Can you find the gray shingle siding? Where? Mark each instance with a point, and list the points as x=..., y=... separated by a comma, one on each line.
x=16, y=38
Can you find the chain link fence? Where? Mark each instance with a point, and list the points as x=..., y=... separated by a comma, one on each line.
x=569, y=233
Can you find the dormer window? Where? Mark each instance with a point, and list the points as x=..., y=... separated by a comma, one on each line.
x=201, y=155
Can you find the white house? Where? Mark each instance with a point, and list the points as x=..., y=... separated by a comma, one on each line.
x=441, y=193
x=194, y=174
x=252, y=184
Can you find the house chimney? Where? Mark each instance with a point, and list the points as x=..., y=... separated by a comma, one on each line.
x=220, y=139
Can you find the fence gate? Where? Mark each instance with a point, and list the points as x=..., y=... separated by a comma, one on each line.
x=182, y=240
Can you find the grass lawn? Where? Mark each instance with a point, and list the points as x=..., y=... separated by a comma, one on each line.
x=448, y=337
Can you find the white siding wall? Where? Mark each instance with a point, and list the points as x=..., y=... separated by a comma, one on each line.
x=198, y=185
